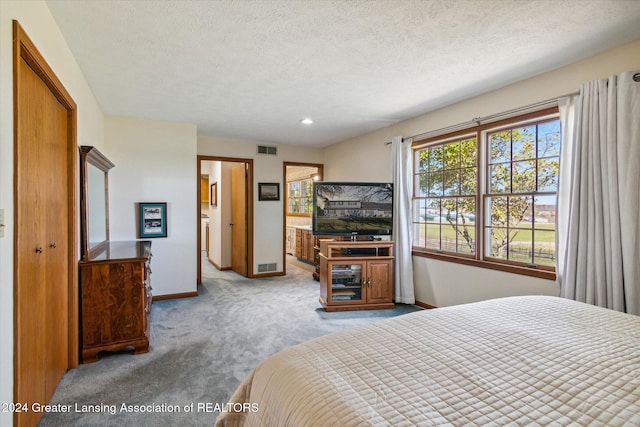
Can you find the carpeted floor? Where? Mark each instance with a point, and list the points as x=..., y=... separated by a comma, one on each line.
x=201, y=348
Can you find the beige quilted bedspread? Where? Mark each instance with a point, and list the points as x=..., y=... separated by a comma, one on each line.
x=535, y=360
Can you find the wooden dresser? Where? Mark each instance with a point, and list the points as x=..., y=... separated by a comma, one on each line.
x=115, y=295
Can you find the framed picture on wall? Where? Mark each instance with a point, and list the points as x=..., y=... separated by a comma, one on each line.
x=268, y=191
x=152, y=220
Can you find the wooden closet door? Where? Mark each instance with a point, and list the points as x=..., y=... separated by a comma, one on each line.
x=239, y=219
x=41, y=243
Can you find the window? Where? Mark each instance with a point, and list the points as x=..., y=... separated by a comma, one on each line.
x=487, y=196
x=300, y=197
x=445, y=202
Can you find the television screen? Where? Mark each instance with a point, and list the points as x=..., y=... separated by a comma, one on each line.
x=352, y=208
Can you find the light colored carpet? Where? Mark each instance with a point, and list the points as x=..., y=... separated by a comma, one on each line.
x=201, y=348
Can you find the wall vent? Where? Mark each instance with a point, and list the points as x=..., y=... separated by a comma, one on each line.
x=267, y=149
x=263, y=268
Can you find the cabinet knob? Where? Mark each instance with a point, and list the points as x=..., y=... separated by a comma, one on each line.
x=52, y=245
x=38, y=250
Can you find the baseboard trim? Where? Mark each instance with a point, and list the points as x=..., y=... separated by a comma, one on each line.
x=217, y=266
x=175, y=296
x=260, y=276
x=425, y=305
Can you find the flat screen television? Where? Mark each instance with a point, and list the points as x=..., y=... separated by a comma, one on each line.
x=352, y=209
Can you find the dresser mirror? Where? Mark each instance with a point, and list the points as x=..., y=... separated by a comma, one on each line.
x=94, y=199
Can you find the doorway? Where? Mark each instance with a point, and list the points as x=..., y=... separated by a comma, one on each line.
x=298, y=181
x=45, y=243
x=225, y=214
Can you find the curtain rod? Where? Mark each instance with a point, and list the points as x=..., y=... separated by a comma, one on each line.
x=478, y=120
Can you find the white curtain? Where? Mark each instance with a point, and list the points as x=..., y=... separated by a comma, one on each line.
x=599, y=195
x=402, y=188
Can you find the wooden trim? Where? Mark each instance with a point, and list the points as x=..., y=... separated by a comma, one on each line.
x=217, y=266
x=263, y=275
x=525, y=271
x=249, y=163
x=91, y=155
x=424, y=305
x=199, y=222
x=302, y=215
x=174, y=296
x=320, y=167
x=491, y=125
x=25, y=49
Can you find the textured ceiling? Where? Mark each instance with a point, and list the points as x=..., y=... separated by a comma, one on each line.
x=252, y=69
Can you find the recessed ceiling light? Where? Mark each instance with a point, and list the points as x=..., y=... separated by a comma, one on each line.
x=306, y=121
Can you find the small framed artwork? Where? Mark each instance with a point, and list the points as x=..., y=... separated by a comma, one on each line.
x=268, y=191
x=152, y=219
x=213, y=194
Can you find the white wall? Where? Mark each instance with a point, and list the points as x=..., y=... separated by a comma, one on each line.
x=442, y=283
x=267, y=215
x=155, y=161
x=35, y=18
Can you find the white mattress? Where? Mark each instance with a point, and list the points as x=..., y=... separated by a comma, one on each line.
x=512, y=361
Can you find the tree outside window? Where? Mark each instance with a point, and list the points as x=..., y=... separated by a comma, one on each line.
x=494, y=185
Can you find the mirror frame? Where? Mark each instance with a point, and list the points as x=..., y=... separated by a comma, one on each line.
x=90, y=155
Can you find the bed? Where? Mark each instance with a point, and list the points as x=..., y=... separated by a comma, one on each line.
x=531, y=360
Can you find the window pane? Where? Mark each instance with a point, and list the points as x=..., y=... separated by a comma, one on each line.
x=548, y=174
x=308, y=204
x=466, y=207
x=500, y=146
x=498, y=211
x=294, y=189
x=435, y=184
x=307, y=188
x=544, y=247
x=498, y=242
x=549, y=139
x=432, y=229
x=421, y=185
x=433, y=236
x=468, y=181
x=500, y=178
x=451, y=182
x=432, y=210
x=524, y=143
x=421, y=160
x=545, y=209
x=451, y=155
x=465, y=224
x=468, y=152
x=524, y=176
x=448, y=211
x=520, y=251
x=436, y=159
x=419, y=234
x=418, y=209
x=519, y=209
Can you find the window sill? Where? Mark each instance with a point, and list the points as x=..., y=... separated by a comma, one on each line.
x=525, y=271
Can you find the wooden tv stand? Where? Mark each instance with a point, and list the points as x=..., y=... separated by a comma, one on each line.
x=356, y=275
